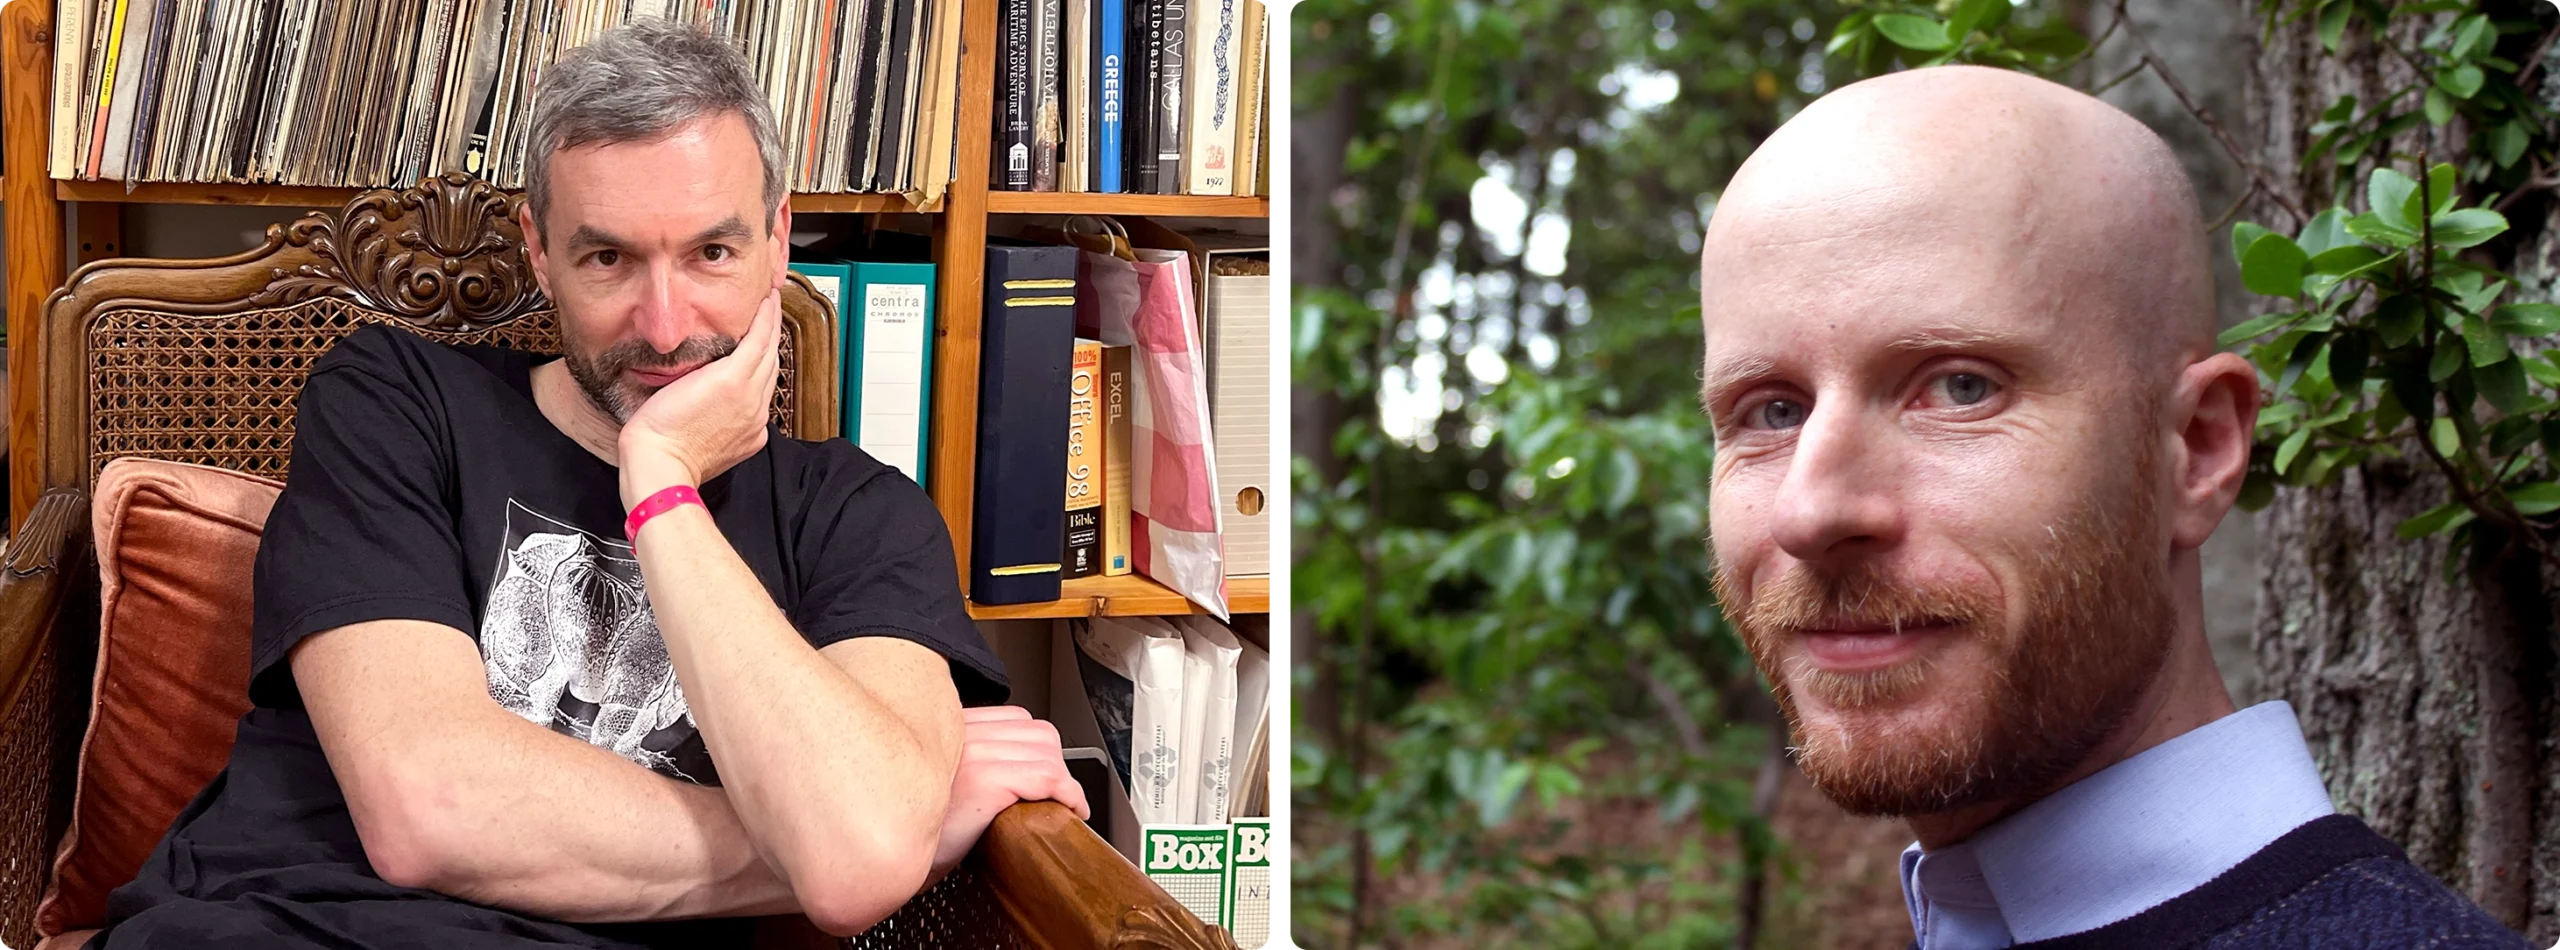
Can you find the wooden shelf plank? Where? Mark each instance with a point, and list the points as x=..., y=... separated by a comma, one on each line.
x=1186, y=206
x=1128, y=595
x=296, y=196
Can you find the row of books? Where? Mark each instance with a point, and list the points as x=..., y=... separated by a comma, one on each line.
x=1133, y=96
x=330, y=93
x=1168, y=723
x=1058, y=405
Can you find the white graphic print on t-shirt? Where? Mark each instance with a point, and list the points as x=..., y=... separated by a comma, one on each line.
x=571, y=644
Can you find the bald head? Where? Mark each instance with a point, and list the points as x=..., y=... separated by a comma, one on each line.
x=2071, y=203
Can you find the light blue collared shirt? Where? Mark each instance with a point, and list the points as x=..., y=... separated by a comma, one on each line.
x=2121, y=841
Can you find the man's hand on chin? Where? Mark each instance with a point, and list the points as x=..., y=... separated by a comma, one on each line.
x=1005, y=757
x=712, y=418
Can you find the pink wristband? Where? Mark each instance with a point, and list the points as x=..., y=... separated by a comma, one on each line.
x=667, y=499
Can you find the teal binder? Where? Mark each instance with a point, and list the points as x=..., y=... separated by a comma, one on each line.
x=888, y=346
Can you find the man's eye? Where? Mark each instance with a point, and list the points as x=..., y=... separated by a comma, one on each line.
x=1964, y=389
x=716, y=252
x=1775, y=414
x=606, y=258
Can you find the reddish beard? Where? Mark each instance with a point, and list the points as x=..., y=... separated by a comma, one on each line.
x=2091, y=635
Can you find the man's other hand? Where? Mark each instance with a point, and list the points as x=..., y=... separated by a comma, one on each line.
x=1005, y=757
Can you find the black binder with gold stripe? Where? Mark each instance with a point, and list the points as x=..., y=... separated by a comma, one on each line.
x=1026, y=345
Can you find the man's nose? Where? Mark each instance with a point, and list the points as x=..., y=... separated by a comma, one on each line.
x=1839, y=496
x=663, y=318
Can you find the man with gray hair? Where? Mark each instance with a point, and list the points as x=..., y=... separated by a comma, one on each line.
x=581, y=651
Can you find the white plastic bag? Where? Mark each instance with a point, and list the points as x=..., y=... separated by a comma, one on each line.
x=1208, y=720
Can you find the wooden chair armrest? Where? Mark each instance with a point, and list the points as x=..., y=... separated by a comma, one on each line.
x=34, y=578
x=1065, y=888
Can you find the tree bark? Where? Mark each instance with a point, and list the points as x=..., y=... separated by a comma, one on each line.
x=2426, y=695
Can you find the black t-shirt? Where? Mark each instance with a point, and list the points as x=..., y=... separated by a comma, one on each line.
x=427, y=485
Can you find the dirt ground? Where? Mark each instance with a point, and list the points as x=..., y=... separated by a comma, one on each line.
x=1840, y=887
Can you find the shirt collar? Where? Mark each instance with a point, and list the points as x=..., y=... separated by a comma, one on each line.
x=2125, y=839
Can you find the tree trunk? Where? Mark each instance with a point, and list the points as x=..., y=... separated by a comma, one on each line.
x=2426, y=700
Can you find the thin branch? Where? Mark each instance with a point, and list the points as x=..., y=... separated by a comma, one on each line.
x=2203, y=115
x=2539, y=180
x=2138, y=66
x=2087, y=51
x=2533, y=60
x=2233, y=211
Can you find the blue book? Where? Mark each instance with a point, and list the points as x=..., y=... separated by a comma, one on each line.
x=831, y=279
x=888, y=373
x=1026, y=338
x=1108, y=43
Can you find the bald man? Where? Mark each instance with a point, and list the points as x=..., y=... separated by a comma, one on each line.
x=1971, y=429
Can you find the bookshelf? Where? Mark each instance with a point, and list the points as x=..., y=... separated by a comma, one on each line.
x=85, y=214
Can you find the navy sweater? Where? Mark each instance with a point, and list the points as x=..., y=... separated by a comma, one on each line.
x=2332, y=884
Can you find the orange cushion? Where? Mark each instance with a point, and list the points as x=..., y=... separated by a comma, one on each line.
x=176, y=544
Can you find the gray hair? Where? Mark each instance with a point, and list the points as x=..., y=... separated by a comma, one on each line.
x=637, y=83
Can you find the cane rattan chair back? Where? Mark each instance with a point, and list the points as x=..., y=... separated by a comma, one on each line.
x=201, y=361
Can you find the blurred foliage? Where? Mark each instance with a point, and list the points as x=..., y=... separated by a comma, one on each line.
x=1501, y=546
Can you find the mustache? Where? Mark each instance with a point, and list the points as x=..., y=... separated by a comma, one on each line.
x=638, y=354
x=1863, y=595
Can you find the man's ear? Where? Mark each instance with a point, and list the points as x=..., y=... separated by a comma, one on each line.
x=535, y=255
x=2214, y=411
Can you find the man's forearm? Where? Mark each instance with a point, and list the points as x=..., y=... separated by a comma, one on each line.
x=835, y=786
x=542, y=823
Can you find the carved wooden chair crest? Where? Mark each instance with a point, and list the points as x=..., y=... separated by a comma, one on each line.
x=201, y=361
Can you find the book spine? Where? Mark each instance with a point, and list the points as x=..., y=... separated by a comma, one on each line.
x=1116, y=476
x=1208, y=154
x=1086, y=477
x=1138, y=148
x=70, y=47
x=1171, y=83
x=1107, y=93
x=1027, y=341
x=1047, y=29
x=106, y=89
x=1013, y=112
x=891, y=352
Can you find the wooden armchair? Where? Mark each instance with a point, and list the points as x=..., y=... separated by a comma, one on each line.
x=201, y=361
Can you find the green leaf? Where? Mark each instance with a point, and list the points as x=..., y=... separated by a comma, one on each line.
x=2242, y=233
x=2502, y=384
x=2349, y=353
x=1969, y=14
x=2397, y=319
x=2324, y=231
x=2462, y=82
x=2539, y=498
x=2542, y=372
x=1625, y=474
x=2256, y=490
x=2333, y=23
x=2386, y=195
x=2488, y=347
x=2527, y=319
x=2507, y=142
x=2273, y=266
x=2439, y=106
x=2292, y=447
x=1850, y=29
x=2447, y=360
x=2304, y=352
x=2443, y=187
x=2410, y=390
x=2467, y=227
x=2435, y=519
x=2468, y=36
x=2446, y=439
x=2340, y=261
x=2371, y=227
x=1914, y=32
x=2255, y=327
